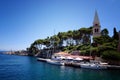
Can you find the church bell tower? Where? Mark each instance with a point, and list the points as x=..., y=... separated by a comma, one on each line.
x=96, y=26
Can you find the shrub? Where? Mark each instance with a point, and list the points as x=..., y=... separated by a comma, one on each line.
x=111, y=55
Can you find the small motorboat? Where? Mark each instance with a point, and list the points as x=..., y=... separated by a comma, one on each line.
x=93, y=65
x=55, y=62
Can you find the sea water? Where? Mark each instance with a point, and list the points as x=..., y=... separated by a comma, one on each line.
x=13, y=67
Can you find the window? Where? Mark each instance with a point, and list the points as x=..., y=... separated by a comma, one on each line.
x=97, y=30
x=96, y=24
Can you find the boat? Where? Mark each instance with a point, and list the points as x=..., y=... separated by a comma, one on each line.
x=90, y=65
x=42, y=59
x=55, y=62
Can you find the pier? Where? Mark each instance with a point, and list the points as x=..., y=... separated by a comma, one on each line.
x=71, y=64
x=113, y=67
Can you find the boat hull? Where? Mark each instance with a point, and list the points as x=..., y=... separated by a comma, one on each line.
x=93, y=66
x=55, y=62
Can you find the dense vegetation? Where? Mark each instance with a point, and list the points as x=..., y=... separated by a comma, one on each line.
x=80, y=40
x=111, y=55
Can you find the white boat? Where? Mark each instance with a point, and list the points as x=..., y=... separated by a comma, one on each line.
x=93, y=66
x=55, y=62
x=42, y=59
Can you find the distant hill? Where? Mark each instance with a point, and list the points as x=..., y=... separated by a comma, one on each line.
x=2, y=51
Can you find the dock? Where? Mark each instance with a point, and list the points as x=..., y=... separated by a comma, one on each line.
x=71, y=64
x=77, y=65
x=113, y=67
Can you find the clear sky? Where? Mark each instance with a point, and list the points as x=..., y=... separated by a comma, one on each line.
x=23, y=21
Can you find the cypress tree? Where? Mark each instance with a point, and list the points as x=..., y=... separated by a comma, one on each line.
x=115, y=34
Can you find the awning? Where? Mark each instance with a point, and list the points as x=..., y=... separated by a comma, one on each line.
x=69, y=57
x=79, y=59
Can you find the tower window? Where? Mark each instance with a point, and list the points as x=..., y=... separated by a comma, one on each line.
x=97, y=30
x=96, y=24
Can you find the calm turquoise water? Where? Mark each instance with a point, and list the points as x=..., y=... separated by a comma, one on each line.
x=27, y=68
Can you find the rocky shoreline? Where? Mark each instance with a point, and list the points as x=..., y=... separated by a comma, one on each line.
x=21, y=52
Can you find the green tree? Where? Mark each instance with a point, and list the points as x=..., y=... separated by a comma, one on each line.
x=39, y=43
x=77, y=36
x=111, y=55
x=46, y=42
x=102, y=39
x=33, y=50
x=65, y=37
x=86, y=33
x=69, y=38
x=61, y=37
x=54, y=40
x=104, y=32
x=115, y=34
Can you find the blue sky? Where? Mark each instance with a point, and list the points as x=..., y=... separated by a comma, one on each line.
x=23, y=21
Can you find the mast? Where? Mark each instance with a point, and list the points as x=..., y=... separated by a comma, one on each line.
x=54, y=42
x=91, y=43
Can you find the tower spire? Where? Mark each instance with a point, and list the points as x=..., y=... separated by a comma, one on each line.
x=96, y=18
x=96, y=26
